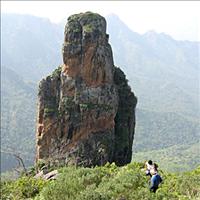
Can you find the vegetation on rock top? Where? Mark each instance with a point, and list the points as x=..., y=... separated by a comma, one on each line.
x=88, y=15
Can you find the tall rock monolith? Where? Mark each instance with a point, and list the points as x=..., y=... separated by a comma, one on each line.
x=86, y=110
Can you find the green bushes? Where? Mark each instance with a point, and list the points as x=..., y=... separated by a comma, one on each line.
x=49, y=112
x=56, y=72
x=88, y=28
x=92, y=106
x=23, y=188
x=105, y=183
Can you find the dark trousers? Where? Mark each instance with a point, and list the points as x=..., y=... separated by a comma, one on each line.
x=153, y=189
x=155, y=181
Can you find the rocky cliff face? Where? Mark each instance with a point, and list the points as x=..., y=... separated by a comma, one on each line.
x=86, y=110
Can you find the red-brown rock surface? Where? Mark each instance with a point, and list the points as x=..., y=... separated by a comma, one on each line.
x=86, y=109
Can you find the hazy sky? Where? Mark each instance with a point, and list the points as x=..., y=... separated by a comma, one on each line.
x=180, y=19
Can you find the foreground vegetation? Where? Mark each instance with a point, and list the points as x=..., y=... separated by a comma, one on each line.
x=104, y=183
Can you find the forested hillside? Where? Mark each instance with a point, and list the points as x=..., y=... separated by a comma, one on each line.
x=31, y=46
x=162, y=71
x=18, y=108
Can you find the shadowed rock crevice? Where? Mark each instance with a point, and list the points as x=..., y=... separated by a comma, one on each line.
x=86, y=110
x=124, y=119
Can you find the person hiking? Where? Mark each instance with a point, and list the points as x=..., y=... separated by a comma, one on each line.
x=149, y=168
x=152, y=171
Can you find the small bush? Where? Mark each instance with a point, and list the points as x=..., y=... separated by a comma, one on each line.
x=23, y=188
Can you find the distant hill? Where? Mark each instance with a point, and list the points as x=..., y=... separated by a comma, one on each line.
x=158, y=130
x=163, y=72
x=175, y=158
x=31, y=46
x=18, y=110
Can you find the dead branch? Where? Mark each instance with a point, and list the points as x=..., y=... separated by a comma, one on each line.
x=18, y=157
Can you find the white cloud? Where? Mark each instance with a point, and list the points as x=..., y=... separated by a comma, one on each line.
x=180, y=19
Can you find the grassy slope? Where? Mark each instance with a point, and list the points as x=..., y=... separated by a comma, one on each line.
x=105, y=183
x=175, y=158
x=169, y=138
